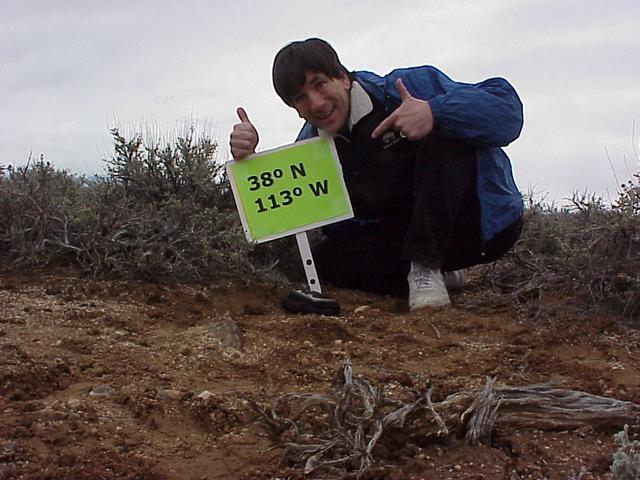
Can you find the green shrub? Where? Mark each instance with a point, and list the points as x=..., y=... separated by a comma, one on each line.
x=161, y=212
x=585, y=249
x=626, y=460
x=164, y=210
x=36, y=212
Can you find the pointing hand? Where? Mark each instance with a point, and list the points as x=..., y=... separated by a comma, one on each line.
x=412, y=119
x=244, y=137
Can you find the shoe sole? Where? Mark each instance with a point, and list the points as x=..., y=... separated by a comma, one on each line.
x=429, y=305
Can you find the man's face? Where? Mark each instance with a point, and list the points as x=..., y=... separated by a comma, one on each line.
x=324, y=101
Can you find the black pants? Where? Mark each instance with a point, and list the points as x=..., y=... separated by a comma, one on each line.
x=439, y=227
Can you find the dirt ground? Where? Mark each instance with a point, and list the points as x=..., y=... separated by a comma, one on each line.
x=120, y=379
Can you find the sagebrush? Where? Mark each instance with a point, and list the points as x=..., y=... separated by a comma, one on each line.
x=626, y=459
x=162, y=212
x=586, y=250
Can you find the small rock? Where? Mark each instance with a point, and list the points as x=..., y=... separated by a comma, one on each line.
x=361, y=308
x=205, y=395
x=73, y=403
x=169, y=394
x=227, y=333
x=102, y=391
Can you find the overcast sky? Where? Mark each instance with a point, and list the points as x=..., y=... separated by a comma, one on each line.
x=70, y=70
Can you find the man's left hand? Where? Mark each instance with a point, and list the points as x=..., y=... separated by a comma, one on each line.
x=412, y=119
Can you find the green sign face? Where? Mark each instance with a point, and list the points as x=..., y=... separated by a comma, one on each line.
x=289, y=189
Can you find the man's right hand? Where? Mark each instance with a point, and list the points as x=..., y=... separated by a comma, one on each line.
x=244, y=137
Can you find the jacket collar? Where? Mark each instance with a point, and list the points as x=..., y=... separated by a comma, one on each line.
x=360, y=106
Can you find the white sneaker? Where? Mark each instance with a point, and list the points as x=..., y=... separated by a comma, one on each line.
x=426, y=288
x=454, y=280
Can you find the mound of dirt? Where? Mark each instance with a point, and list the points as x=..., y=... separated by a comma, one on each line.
x=122, y=379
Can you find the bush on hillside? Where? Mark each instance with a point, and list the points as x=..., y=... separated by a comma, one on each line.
x=162, y=211
x=586, y=250
x=37, y=206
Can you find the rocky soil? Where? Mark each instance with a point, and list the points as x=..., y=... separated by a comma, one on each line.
x=103, y=379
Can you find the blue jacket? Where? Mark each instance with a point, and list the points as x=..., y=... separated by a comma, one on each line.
x=487, y=115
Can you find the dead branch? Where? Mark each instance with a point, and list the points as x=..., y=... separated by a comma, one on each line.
x=358, y=418
x=482, y=413
x=540, y=407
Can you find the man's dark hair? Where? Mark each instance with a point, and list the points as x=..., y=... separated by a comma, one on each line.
x=295, y=59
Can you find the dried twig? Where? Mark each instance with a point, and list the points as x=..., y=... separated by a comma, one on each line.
x=359, y=419
x=434, y=328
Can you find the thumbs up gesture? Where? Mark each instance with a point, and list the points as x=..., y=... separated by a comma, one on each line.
x=244, y=137
x=412, y=119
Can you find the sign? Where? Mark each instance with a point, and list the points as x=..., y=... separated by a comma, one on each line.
x=289, y=189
